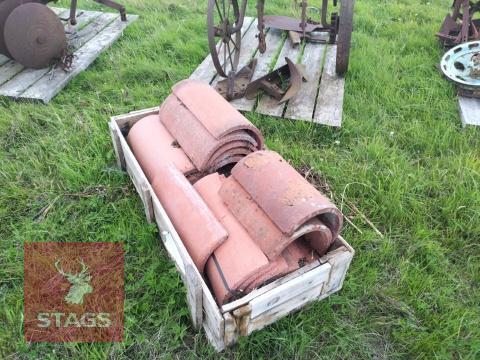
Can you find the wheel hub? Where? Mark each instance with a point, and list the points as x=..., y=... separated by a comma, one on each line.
x=461, y=64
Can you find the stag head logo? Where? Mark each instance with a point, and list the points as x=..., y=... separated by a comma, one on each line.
x=80, y=283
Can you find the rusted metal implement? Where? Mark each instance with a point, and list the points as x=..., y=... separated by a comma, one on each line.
x=461, y=26
x=34, y=36
x=281, y=84
x=225, y=21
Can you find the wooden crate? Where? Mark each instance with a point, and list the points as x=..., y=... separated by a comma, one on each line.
x=223, y=325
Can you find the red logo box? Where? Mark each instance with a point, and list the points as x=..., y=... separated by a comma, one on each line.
x=73, y=292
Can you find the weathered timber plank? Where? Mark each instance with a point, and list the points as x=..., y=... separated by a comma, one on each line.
x=9, y=70
x=266, y=288
x=206, y=70
x=302, y=106
x=23, y=80
x=82, y=36
x=329, y=106
x=294, y=288
x=469, y=111
x=247, y=49
x=3, y=59
x=268, y=105
x=284, y=309
x=58, y=11
x=44, y=89
x=273, y=40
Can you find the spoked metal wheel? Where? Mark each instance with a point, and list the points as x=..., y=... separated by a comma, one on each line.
x=225, y=20
x=344, y=35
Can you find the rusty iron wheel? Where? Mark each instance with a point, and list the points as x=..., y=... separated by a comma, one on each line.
x=344, y=35
x=6, y=8
x=224, y=27
x=34, y=35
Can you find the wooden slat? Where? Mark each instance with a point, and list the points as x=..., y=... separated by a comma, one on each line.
x=284, y=309
x=44, y=89
x=23, y=80
x=329, y=106
x=268, y=105
x=78, y=39
x=59, y=11
x=292, y=289
x=9, y=70
x=469, y=111
x=266, y=288
x=302, y=106
x=206, y=70
x=247, y=49
x=273, y=39
x=3, y=59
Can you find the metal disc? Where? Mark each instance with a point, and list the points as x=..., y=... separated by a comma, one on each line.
x=461, y=64
x=6, y=8
x=34, y=35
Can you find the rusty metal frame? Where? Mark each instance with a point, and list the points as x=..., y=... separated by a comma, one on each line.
x=459, y=26
x=108, y=3
x=339, y=32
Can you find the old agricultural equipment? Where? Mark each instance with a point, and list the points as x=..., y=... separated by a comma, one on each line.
x=225, y=21
x=461, y=26
x=461, y=65
x=33, y=35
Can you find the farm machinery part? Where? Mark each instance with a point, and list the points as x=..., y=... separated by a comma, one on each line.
x=282, y=84
x=235, y=85
x=461, y=65
x=461, y=26
x=34, y=36
x=225, y=20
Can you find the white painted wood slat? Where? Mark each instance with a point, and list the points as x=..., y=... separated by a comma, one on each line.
x=302, y=106
x=469, y=111
x=329, y=109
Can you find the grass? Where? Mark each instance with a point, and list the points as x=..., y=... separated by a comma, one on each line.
x=401, y=157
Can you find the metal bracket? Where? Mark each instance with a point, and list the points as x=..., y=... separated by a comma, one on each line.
x=282, y=84
x=235, y=85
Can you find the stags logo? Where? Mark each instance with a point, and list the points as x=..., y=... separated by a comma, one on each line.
x=80, y=284
x=73, y=292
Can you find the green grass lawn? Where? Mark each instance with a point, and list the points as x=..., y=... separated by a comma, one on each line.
x=400, y=157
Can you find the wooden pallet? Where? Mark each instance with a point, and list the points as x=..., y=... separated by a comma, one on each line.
x=469, y=111
x=95, y=31
x=320, y=98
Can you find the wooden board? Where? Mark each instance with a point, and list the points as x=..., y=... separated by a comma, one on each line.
x=469, y=111
x=320, y=99
x=95, y=31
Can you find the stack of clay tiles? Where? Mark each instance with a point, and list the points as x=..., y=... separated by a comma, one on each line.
x=243, y=230
x=196, y=129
